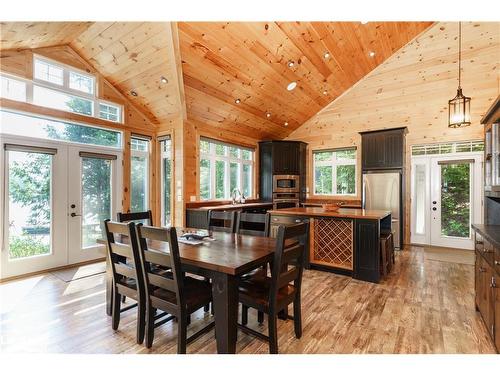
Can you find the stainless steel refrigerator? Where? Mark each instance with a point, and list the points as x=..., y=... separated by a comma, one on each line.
x=382, y=191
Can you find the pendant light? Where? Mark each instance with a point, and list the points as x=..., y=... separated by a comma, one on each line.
x=459, y=106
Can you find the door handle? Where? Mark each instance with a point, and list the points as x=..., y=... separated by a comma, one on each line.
x=74, y=215
x=434, y=208
x=434, y=202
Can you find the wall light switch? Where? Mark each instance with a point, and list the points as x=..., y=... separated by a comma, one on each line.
x=179, y=183
x=179, y=198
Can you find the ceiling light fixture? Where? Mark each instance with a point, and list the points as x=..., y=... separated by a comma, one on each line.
x=237, y=101
x=326, y=55
x=364, y=22
x=371, y=54
x=325, y=92
x=459, y=106
x=268, y=114
x=133, y=93
x=163, y=79
x=286, y=123
x=291, y=63
x=291, y=86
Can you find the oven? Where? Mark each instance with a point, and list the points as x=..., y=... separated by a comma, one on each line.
x=284, y=183
x=285, y=200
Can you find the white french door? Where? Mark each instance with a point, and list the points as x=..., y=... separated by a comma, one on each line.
x=446, y=198
x=45, y=186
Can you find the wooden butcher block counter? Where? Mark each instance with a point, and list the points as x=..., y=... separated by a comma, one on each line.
x=346, y=241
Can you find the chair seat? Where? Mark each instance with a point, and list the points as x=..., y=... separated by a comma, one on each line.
x=197, y=293
x=254, y=292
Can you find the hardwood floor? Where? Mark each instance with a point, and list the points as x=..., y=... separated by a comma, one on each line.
x=424, y=306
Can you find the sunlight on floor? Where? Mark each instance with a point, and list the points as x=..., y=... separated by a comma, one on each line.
x=12, y=293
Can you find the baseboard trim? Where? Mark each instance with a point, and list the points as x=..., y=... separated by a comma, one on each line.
x=41, y=272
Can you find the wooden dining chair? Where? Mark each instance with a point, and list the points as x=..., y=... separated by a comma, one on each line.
x=127, y=274
x=178, y=295
x=221, y=221
x=136, y=217
x=252, y=224
x=272, y=295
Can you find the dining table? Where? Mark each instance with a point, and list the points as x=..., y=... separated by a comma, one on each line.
x=222, y=257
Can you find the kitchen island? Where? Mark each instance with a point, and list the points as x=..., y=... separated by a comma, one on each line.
x=346, y=241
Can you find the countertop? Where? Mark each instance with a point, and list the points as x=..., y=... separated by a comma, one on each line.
x=233, y=206
x=491, y=232
x=351, y=213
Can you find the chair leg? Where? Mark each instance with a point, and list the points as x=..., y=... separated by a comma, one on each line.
x=260, y=317
x=150, y=326
x=182, y=334
x=273, y=333
x=206, y=308
x=141, y=322
x=212, y=311
x=297, y=317
x=115, y=313
x=244, y=315
x=188, y=319
x=124, y=299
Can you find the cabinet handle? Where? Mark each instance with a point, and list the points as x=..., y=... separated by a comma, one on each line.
x=497, y=263
x=493, y=282
x=298, y=220
x=481, y=269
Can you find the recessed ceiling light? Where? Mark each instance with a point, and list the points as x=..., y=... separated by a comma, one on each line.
x=291, y=86
x=133, y=93
x=371, y=54
x=290, y=63
x=364, y=22
x=286, y=123
x=163, y=79
x=326, y=55
x=325, y=92
x=237, y=101
x=268, y=114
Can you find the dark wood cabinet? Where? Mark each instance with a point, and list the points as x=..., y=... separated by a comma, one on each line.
x=367, y=252
x=281, y=157
x=487, y=278
x=383, y=149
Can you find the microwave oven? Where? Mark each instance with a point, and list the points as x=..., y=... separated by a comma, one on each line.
x=285, y=183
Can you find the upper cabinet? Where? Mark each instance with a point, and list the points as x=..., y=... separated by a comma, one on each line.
x=383, y=149
x=286, y=157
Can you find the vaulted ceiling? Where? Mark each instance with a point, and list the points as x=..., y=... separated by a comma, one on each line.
x=221, y=63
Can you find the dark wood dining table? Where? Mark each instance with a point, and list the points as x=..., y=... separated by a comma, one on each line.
x=223, y=258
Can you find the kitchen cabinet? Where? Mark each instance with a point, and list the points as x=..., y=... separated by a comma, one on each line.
x=281, y=158
x=487, y=278
x=383, y=149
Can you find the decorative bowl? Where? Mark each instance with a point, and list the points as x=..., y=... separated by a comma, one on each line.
x=332, y=207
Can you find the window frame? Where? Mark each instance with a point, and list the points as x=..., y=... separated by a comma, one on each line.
x=145, y=154
x=334, y=163
x=65, y=88
x=212, y=157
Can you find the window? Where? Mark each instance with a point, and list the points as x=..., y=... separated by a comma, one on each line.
x=335, y=172
x=39, y=127
x=447, y=148
x=223, y=168
x=49, y=72
x=139, y=174
x=59, y=100
x=109, y=112
x=61, y=87
x=166, y=178
x=13, y=89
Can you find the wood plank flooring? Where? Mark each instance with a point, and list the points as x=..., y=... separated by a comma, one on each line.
x=424, y=306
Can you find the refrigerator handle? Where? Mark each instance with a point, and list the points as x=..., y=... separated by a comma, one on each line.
x=363, y=196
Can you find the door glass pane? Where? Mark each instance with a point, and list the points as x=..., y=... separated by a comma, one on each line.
x=234, y=180
x=220, y=186
x=139, y=184
x=205, y=179
x=419, y=197
x=30, y=177
x=167, y=187
x=247, y=180
x=455, y=200
x=96, y=198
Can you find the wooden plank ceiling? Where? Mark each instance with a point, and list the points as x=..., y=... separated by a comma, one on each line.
x=222, y=62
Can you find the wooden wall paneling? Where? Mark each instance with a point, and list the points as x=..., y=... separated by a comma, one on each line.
x=16, y=63
x=412, y=89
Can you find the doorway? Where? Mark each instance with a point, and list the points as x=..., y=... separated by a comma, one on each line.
x=55, y=198
x=446, y=198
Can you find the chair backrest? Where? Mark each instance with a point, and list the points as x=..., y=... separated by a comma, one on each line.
x=222, y=221
x=249, y=223
x=124, y=254
x=288, y=263
x=151, y=259
x=136, y=216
